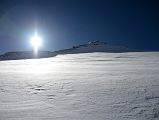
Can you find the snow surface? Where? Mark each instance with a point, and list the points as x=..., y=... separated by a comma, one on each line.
x=89, y=86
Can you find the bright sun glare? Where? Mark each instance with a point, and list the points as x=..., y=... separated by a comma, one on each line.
x=36, y=42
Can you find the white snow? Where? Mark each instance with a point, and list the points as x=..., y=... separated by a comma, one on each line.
x=89, y=86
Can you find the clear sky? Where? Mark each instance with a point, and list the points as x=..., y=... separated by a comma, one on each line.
x=63, y=23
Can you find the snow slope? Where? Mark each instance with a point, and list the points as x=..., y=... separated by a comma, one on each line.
x=25, y=55
x=90, y=47
x=90, y=86
x=95, y=46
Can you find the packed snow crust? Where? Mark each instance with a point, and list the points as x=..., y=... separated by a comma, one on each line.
x=88, y=86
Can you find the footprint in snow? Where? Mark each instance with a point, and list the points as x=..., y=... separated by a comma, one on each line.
x=69, y=92
x=51, y=96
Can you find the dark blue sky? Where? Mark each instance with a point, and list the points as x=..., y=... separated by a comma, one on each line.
x=63, y=23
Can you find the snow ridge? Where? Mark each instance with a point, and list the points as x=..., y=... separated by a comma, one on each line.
x=95, y=46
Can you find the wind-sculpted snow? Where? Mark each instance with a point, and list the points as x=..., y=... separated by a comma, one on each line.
x=90, y=86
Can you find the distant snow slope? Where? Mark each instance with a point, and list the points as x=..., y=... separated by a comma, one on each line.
x=90, y=86
x=95, y=46
x=25, y=55
x=90, y=47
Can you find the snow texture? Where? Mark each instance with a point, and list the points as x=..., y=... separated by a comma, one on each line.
x=88, y=86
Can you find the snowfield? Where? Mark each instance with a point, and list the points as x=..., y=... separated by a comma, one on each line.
x=88, y=86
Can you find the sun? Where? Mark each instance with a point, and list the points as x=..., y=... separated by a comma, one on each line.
x=36, y=42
